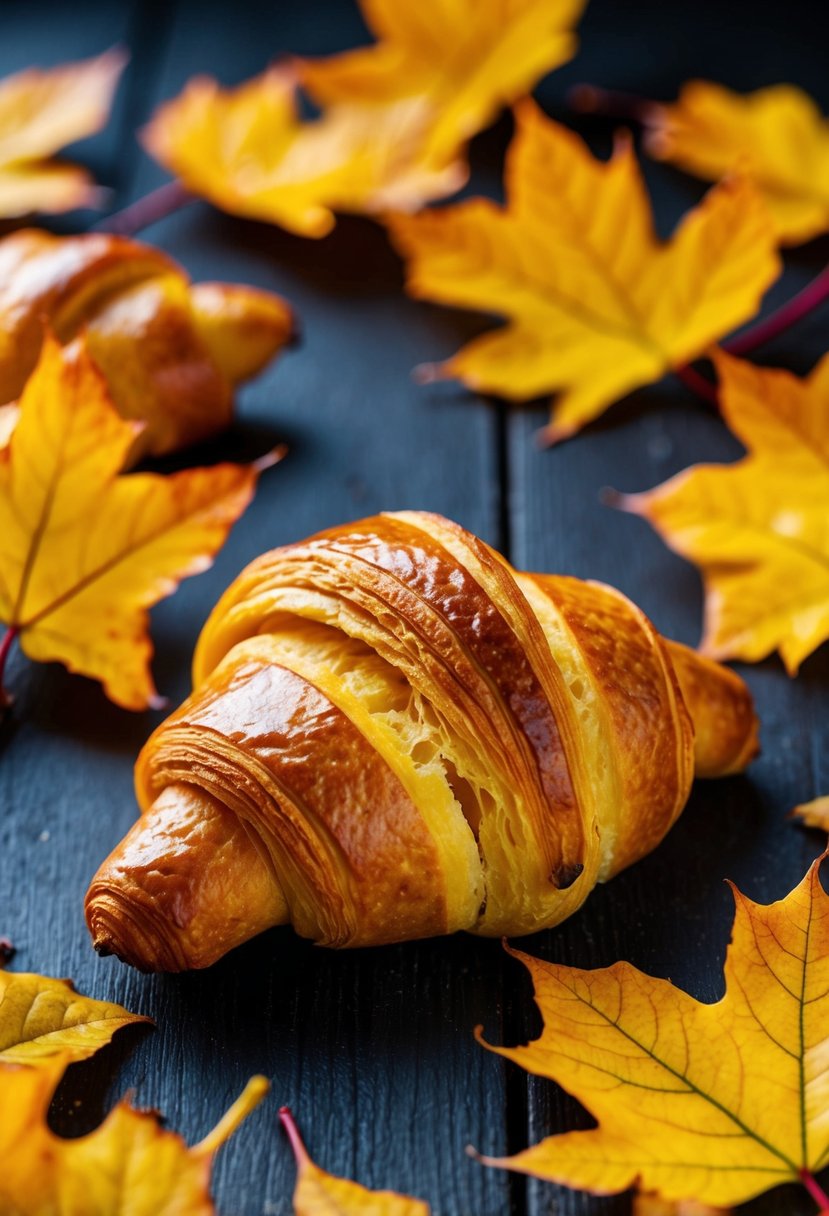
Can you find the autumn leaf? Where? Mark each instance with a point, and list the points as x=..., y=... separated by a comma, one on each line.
x=321, y=1194
x=466, y=58
x=84, y=552
x=715, y=1103
x=41, y=1018
x=757, y=528
x=128, y=1166
x=246, y=151
x=396, y=115
x=596, y=305
x=776, y=135
x=41, y=112
x=814, y=814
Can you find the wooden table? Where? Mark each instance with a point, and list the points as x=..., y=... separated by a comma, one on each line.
x=374, y=1049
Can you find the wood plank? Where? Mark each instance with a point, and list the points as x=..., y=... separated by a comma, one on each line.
x=372, y=1049
x=670, y=914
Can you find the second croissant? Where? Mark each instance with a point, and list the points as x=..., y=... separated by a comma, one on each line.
x=395, y=734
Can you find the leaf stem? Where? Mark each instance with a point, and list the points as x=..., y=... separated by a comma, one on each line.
x=6, y=644
x=815, y=1190
x=783, y=318
x=250, y=1097
x=697, y=383
x=286, y=1118
x=611, y=103
x=145, y=211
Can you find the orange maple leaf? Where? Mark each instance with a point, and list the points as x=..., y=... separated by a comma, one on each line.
x=41, y=112
x=85, y=552
x=713, y=1103
x=396, y=115
x=757, y=528
x=814, y=814
x=777, y=136
x=127, y=1165
x=596, y=305
x=320, y=1194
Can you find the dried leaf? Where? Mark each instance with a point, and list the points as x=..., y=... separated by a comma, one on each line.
x=814, y=814
x=321, y=1194
x=758, y=528
x=128, y=1166
x=596, y=305
x=85, y=552
x=41, y=1018
x=777, y=136
x=396, y=115
x=715, y=1103
x=171, y=351
x=41, y=112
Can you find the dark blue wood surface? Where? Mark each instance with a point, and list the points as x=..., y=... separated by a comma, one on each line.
x=374, y=1049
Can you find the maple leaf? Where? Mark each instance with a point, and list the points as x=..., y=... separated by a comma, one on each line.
x=597, y=306
x=396, y=115
x=776, y=135
x=42, y=1017
x=320, y=1194
x=41, y=112
x=247, y=152
x=128, y=1166
x=715, y=1103
x=757, y=528
x=814, y=814
x=83, y=552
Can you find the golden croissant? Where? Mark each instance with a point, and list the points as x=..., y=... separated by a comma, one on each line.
x=171, y=351
x=395, y=734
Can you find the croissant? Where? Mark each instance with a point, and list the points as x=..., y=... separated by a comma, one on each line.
x=171, y=352
x=395, y=734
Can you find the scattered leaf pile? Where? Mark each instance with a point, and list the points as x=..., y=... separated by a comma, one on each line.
x=130, y=1164
x=396, y=116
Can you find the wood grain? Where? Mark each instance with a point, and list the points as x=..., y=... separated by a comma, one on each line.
x=373, y=1049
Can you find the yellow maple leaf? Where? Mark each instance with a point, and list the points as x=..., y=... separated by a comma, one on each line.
x=247, y=152
x=596, y=305
x=396, y=115
x=466, y=58
x=715, y=1103
x=42, y=1017
x=128, y=1166
x=758, y=528
x=85, y=552
x=41, y=112
x=320, y=1194
x=814, y=814
x=776, y=135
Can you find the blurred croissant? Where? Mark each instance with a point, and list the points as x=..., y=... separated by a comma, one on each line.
x=170, y=351
x=395, y=734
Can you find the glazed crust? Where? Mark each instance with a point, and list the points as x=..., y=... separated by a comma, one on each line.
x=171, y=353
x=419, y=739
